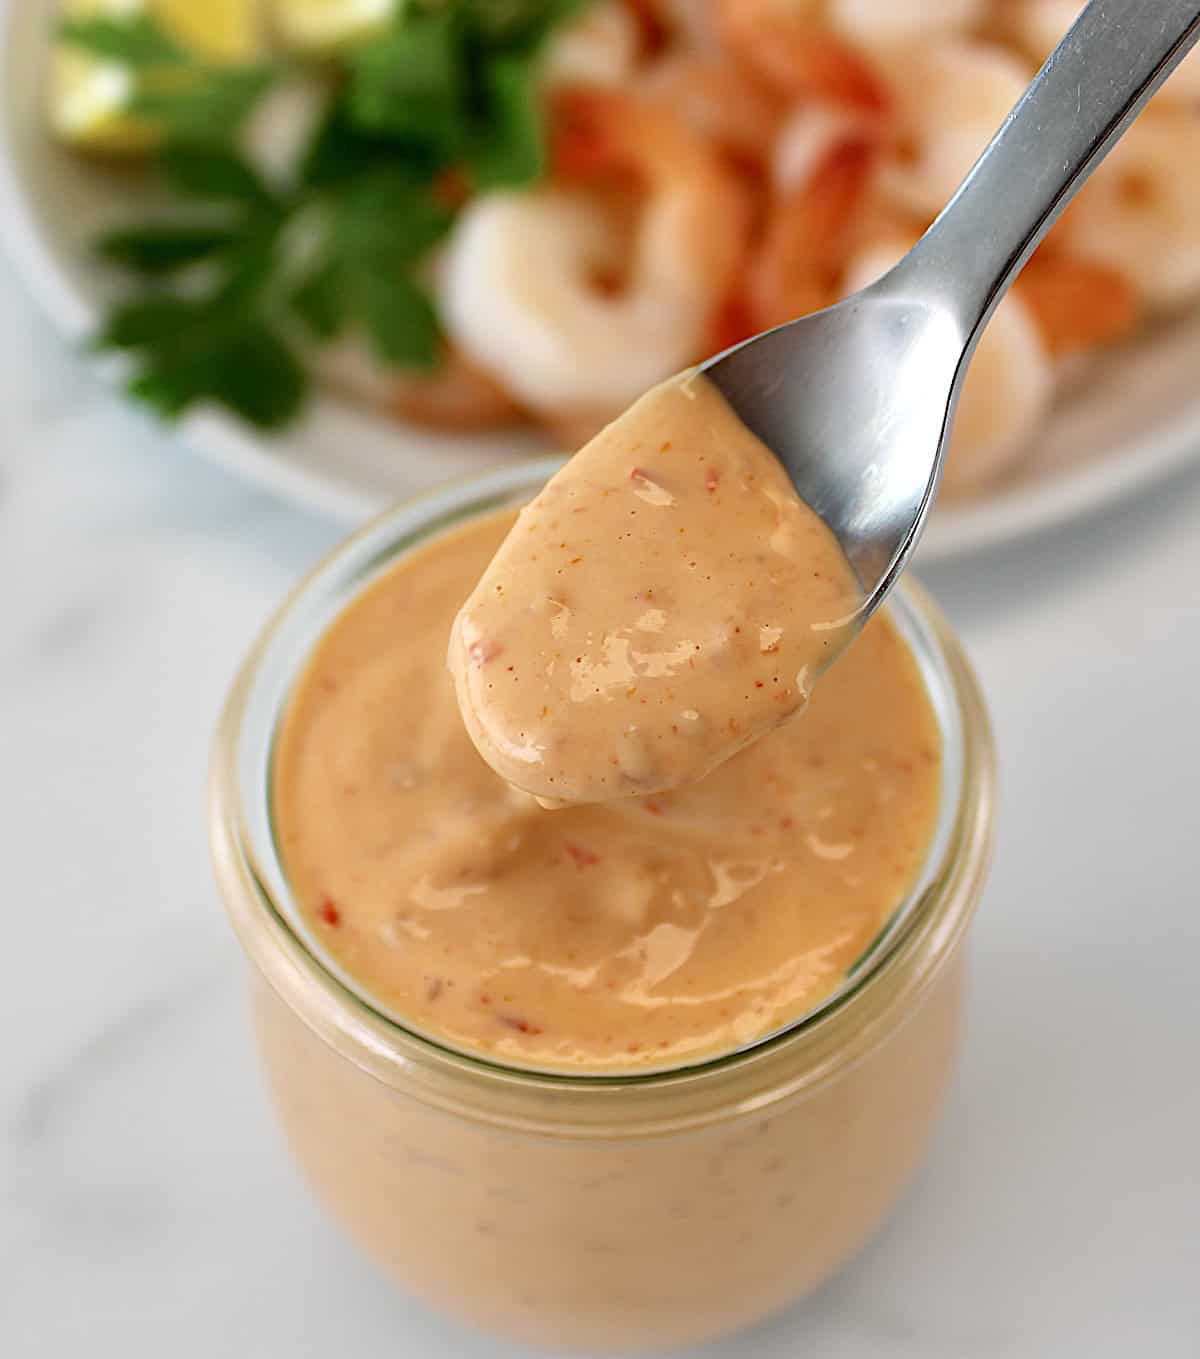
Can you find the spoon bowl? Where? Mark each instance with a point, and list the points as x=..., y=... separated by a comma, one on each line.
x=855, y=401
x=858, y=401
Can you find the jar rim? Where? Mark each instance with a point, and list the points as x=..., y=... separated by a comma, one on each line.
x=275, y=935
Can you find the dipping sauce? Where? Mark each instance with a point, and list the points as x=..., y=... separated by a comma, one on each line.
x=663, y=602
x=649, y=932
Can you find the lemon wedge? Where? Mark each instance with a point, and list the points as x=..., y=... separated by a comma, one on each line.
x=89, y=96
x=321, y=27
x=223, y=30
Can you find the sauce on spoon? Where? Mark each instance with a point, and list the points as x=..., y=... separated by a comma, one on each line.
x=665, y=601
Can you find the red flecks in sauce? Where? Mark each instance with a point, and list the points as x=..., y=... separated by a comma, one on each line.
x=583, y=858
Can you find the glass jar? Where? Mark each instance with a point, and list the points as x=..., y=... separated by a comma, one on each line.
x=599, y=1212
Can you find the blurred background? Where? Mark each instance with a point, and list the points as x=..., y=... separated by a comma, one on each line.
x=265, y=268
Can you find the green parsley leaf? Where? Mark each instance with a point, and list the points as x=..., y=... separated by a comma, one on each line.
x=410, y=83
x=401, y=322
x=510, y=149
x=155, y=319
x=320, y=301
x=248, y=368
x=200, y=104
x=375, y=232
x=259, y=378
x=167, y=393
x=219, y=345
x=163, y=248
x=131, y=39
x=339, y=151
x=385, y=221
x=214, y=172
x=251, y=265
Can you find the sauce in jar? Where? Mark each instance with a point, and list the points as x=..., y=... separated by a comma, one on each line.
x=645, y=933
x=664, y=601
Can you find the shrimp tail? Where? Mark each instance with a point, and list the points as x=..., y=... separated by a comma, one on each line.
x=582, y=146
x=797, y=56
x=797, y=267
x=1078, y=305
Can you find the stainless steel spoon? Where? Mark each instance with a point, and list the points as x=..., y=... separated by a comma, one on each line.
x=858, y=401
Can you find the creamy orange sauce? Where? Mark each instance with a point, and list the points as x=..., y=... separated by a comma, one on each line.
x=597, y=938
x=663, y=602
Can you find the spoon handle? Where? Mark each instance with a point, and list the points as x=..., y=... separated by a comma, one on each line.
x=1092, y=86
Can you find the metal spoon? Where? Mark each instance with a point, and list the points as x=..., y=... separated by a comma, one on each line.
x=858, y=401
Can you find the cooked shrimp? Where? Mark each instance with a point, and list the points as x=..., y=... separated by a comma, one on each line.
x=870, y=23
x=1140, y=212
x=717, y=100
x=951, y=96
x=518, y=285
x=455, y=396
x=1039, y=26
x=807, y=137
x=787, y=45
x=797, y=267
x=598, y=47
x=1077, y=305
x=690, y=24
x=1007, y=389
x=1004, y=399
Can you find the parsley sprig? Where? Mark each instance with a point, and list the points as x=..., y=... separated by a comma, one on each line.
x=234, y=285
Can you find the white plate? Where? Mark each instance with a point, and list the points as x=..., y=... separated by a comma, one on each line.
x=1135, y=417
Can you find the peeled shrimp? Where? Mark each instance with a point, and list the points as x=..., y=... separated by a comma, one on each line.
x=718, y=100
x=598, y=47
x=805, y=140
x=951, y=96
x=871, y=23
x=1140, y=212
x=518, y=288
x=1008, y=386
x=798, y=264
x=1078, y=305
x=1005, y=398
x=788, y=46
x=1039, y=26
x=690, y=24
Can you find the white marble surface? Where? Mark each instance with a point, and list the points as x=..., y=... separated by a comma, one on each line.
x=146, y=1204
